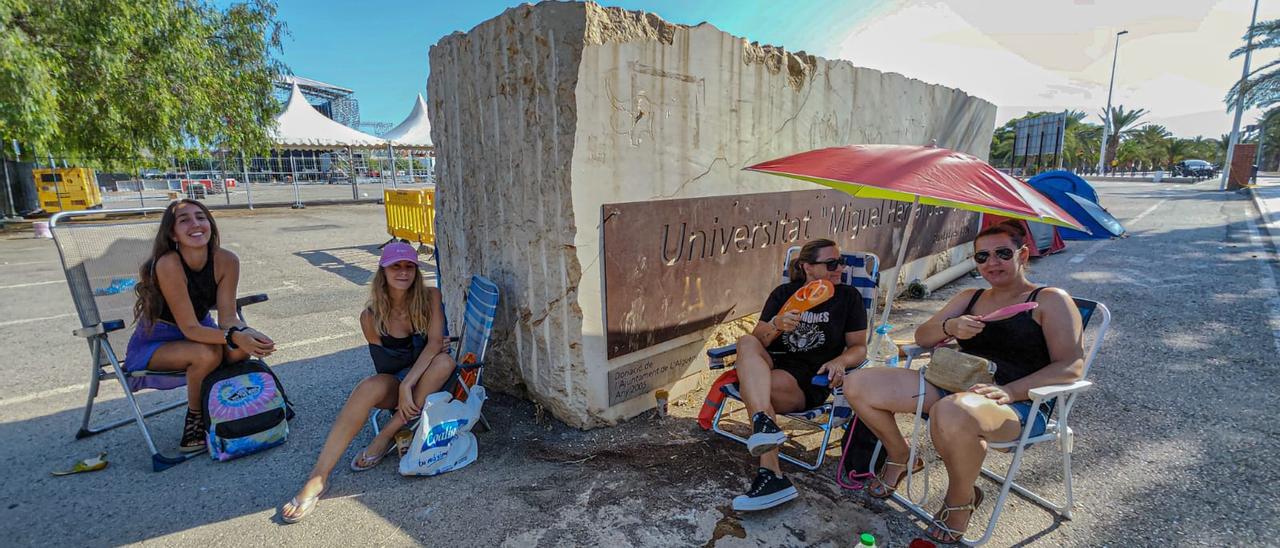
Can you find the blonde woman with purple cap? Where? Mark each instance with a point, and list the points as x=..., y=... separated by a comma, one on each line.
x=403, y=323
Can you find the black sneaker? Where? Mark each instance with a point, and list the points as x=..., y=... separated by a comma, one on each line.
x=768, y=490
x=765, y=435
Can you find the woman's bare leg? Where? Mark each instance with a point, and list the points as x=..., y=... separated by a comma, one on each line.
x=432, y=380
x=755, y=376
x=786, y=397
x=197, y=359
x=961, y=424
x=877, y=394
x=376, y=391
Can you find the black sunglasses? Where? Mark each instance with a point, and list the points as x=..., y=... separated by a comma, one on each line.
x=1003, y=252
x=832, y=264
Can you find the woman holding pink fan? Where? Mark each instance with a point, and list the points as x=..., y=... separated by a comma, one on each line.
x=811, y=326
x=1034, y=336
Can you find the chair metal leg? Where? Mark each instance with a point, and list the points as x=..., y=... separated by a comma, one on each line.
x=95, y=375
x=1066, y=472
x=159, y=461
x=811, y=466
x=95, y=379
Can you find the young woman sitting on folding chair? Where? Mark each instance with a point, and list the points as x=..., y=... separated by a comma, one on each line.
x=778, y=360
x=404, y=326
x=187, y=276
x=1034, y=348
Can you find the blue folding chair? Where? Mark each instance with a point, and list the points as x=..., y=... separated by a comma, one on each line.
x=862, y=271
x=472, y=344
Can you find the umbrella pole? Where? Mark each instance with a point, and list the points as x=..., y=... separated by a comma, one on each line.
x=902, y=257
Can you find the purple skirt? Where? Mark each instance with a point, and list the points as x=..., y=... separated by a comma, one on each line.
x=144, y=343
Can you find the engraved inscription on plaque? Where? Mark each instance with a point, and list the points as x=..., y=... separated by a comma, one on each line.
x=673, y=267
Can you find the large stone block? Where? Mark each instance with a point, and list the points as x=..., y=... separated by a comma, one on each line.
x=546, y=112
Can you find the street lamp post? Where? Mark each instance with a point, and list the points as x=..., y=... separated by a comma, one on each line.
x=1235, y=125
x=1106, y=119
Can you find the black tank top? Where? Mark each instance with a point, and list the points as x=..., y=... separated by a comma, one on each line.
x=1016, y=344
x=396, y=353
x=202, y=288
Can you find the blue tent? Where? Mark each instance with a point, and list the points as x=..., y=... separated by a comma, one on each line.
x=1058, y=185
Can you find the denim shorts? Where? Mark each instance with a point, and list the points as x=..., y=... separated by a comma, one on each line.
x=1022, y=409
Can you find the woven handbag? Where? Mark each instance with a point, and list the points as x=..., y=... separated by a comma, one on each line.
x=955, y=371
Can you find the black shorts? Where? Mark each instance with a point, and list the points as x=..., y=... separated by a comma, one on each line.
x=814, y=395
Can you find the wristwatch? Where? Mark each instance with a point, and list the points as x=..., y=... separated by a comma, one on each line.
x=231, y=330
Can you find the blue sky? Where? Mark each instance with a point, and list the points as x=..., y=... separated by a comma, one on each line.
x=1173, y=62
x=379, y=49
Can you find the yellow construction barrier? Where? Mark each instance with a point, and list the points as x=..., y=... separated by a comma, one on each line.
x=411, y=214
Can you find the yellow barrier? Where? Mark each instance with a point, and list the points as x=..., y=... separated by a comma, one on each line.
x=411, y=214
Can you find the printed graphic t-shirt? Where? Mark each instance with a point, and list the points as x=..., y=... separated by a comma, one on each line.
x=819, y=337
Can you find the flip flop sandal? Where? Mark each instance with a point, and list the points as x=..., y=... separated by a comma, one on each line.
x=949, y=535
x=362, y=461
x=888, y=491
x=304, y=507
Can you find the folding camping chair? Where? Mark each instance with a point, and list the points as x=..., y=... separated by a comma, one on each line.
x=862, y=271
x=1062, y=396
x=101, y=261
x=471, y=346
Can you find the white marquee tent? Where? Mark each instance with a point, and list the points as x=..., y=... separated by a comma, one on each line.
x=414, y=131
x=301, y=126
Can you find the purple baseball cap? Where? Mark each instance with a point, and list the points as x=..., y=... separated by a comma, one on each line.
x=399, y=251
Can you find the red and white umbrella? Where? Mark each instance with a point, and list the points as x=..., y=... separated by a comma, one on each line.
x=920, y=175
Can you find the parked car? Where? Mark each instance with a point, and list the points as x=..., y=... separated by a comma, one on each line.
x=1193, y=168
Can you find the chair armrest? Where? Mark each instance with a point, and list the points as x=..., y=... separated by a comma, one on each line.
x=99, y=329
x=250, y=299
x=1055, y=390
x=913, y=351
x=719, y=358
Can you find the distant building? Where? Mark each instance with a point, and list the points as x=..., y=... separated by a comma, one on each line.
x=338, y=103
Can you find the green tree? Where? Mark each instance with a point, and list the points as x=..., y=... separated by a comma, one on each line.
x=1262, y=85
x=114, y=79
x=1121, y=121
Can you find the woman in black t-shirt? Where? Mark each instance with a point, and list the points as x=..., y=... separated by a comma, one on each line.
x=778, y=360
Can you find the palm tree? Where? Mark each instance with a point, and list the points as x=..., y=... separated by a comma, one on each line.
x=1180, y=149
x=1261, y=89
x=1121, y=121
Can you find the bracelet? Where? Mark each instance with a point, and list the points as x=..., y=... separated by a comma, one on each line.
x=231, y=331
x=944, y=327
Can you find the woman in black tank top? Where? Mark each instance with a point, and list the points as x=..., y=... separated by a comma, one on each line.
x=1035, y=348
x=188, y=275
x=403, y=325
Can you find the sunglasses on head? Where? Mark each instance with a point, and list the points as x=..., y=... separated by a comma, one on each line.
x=1003, y=252
x=832, y=264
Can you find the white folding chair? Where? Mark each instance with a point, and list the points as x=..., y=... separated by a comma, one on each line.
x=1061, y=396
x=101, y=262
x=862, y=271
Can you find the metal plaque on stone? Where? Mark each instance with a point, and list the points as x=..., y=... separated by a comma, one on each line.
x=673, y=267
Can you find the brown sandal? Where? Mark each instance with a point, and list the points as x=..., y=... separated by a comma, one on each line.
x=948, y=535
x=888, y=489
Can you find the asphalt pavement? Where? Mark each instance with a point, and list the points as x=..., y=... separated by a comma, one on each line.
x=1177, y=442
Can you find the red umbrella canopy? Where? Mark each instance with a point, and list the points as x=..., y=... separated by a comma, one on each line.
x=937, y=176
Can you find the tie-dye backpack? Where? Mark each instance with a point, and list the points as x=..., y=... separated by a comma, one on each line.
x=246, y=410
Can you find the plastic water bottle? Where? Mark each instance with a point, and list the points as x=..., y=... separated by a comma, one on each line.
x=883, y=352
x=866, y=540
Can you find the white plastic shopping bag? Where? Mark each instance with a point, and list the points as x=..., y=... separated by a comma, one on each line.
x=443, y=440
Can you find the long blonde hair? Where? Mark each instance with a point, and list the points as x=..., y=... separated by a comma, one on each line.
x=417, y=300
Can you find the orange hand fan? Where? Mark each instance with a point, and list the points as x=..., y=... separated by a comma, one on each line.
x=808, y=296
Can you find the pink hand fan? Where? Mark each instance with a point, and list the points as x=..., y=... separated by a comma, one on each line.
x=1008, y=311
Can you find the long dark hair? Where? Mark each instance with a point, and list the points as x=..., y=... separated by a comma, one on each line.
x=150, y=300
x=807, y=254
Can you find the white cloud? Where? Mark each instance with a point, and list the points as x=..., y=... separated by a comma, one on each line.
x=1054, y=55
